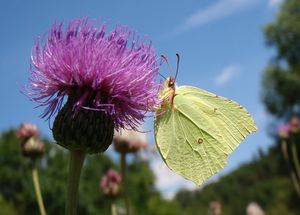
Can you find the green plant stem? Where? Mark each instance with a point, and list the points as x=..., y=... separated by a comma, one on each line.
x=123, y=174
x=37, y=189
x=113, y=209
x=287, y=159
x=296, y=159
x=75, y=166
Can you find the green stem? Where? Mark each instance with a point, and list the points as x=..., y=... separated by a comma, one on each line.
x=295, y=159
x=113, y=209
x=123, y=174
x=75, y=166
x=35, y=178
x=287, y=159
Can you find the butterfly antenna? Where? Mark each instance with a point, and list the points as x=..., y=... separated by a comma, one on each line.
x=162, y=76
x=166, y=60
x=177, y=67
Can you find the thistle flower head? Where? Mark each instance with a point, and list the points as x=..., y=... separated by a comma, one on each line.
x=113, y=72
x=111, y=183
x=26, y=131
x=129, y=141
x=107, y=77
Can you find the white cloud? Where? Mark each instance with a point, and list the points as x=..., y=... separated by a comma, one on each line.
x=275, y=3
x=167, y=181
x=219, y=10
x=227, y=74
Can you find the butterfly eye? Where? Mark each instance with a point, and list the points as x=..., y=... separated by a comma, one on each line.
x=171, y=83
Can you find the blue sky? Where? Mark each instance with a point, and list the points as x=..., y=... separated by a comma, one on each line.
x=220, y=42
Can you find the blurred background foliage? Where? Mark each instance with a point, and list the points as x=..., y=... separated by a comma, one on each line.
x=264, y=180
x=281, y=81
x=16, y=187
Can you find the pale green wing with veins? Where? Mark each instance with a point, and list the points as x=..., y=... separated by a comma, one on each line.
x=196, y=130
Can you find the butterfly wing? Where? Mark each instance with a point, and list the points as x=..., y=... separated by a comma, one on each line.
x=197, y=135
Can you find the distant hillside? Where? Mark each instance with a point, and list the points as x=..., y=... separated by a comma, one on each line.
x=265, y=180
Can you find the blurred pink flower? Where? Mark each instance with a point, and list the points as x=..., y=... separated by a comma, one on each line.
x=283, y=130
x=26, y=131
x=31, y=145
x=111, y=183
x=294, y=124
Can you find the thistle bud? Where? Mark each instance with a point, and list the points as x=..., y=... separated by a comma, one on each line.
x=215, y=208
x=129, y=141
x=89, y=131
x=254, y=209
x=33, y=148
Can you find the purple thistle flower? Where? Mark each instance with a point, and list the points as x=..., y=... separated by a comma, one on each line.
x=113, y=72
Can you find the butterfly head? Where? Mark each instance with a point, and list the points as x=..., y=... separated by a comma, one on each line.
x=167, y=92
x=167, y=88
x=170, y=81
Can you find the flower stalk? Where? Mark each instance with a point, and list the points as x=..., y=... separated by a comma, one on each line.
x=290, y=136
x=295, y=158
x=113, y=209
x=110, y=184
x=123, y=175
x=75, y=166
x=293, y=174
x=33, y=148
x=37, y=189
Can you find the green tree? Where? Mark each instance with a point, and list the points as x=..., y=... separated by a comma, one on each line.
x=281, y=80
